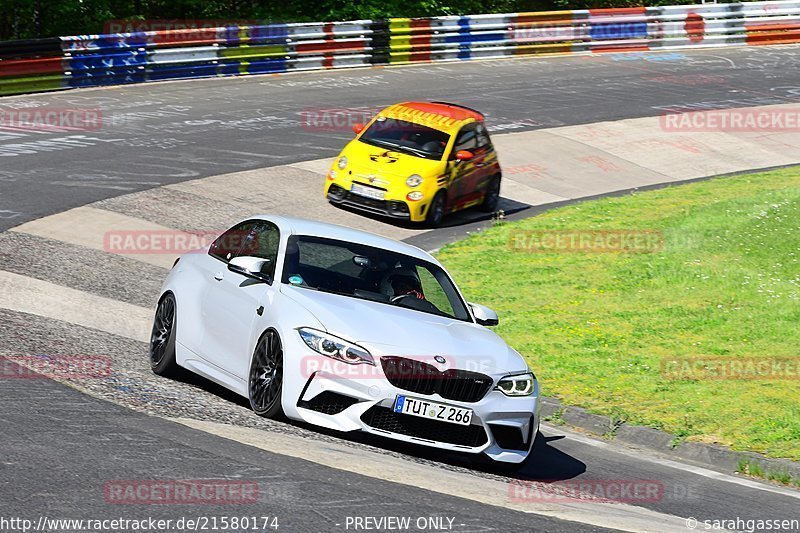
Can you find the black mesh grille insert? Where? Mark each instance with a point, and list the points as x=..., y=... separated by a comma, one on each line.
x=372, y=203
x=422, y=378
x=328, y=402
x=508, y=437
x=423, y=428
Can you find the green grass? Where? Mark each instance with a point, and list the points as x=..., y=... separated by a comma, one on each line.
x=596, y=326
x=556, y=418
x=750, y=468
x=755, y=469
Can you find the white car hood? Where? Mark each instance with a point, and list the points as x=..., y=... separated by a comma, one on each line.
x=392, y=330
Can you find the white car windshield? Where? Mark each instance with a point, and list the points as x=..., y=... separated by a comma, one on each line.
x=370, y=273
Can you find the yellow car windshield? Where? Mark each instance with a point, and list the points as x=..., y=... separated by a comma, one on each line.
x=408, y=137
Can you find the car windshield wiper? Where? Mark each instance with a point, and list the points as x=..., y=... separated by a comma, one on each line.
x=384, y=144
x=398, y=147
x=417, y=151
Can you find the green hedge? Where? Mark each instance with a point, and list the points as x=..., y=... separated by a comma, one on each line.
x=49, y=18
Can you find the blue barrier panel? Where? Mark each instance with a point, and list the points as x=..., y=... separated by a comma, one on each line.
x=170, y=72
x=267, y=34
x=266, y=66
x=96, y=78
x=475, y=38
x=106, y=69
x=233, y=68
x=133, y=58
x=618, y=30
x=113, y=41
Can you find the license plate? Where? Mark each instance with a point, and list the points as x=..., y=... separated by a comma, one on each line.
x=432, y=410
x=360, y=190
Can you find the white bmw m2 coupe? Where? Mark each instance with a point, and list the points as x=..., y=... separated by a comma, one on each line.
x=349, y=331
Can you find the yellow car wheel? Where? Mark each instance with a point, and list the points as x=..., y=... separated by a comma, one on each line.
x=435, y=212
x=492, y=197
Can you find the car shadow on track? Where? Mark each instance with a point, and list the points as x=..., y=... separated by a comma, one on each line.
x=547, y=464
x=460, y=218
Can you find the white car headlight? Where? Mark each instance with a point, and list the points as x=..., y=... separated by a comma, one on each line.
x=414, y=180
x=519, y=385
x=335, y=348
x=342, y=163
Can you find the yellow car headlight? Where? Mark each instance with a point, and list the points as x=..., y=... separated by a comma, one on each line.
x=414, y=180
x=342, y=163
x=414, y=196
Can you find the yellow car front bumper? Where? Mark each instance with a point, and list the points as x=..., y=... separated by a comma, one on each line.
x=380, y=201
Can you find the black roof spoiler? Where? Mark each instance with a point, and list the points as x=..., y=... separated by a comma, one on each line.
x=459, y=105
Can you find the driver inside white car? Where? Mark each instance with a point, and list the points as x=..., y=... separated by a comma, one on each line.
x=401, y=282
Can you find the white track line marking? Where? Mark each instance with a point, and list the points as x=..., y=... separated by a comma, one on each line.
x=684, y=467
x=100, y=229
x=618, y=516
x=42, y=298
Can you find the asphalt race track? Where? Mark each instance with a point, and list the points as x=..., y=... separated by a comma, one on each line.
x=301, y=498
x=163, y=133
x=61, y=446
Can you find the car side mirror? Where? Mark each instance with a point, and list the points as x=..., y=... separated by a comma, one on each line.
x=483, y=315
x=250, y=267
x=464, y=155
x=358, y=128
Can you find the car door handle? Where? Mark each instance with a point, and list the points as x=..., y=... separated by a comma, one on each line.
x=219, y=276
x=479, y=165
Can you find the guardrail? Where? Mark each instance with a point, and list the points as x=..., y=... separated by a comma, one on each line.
x=93, y=60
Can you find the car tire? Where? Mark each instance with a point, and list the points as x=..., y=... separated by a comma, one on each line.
x=265, y=379
x=162, y=338
x=492, y=197
x=435, y=213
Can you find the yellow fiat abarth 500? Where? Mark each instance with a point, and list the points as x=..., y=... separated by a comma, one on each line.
x=418, y=161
